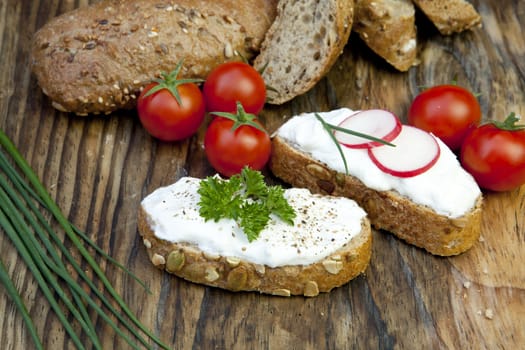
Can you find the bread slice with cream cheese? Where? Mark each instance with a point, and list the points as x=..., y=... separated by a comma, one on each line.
x=328, y=245
x=439, y=210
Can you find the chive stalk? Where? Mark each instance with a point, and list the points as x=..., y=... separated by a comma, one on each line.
x=329, y=129
x=17, y=299
x=23, y=186
x=34, y=268
x=14, y=206
x=59, y=268
x=40, y=248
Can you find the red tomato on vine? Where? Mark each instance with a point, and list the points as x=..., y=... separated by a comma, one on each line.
x=233, y=141
x=233, y=82
x=447, y=111
x=171, y=109
x=494, y=154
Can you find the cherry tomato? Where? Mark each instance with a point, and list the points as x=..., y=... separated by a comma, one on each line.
x=495, y=155
x=166, y=118
x=233, y=82
x=447, y=111
x=235, y=141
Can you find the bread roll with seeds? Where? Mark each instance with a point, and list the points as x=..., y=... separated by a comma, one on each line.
x=96, y=59
x=329, y=245
x=440, y=233
x=302, y=44
x=450, y=16
x=388, y=28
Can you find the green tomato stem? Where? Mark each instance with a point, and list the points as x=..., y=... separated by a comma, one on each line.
x=241, y=118
x=509, y=123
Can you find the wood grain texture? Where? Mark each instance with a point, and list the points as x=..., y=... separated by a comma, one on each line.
x=99, y=169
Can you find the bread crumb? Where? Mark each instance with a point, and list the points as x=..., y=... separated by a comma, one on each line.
x=489, y=314
x=467, y=284
x=481, y=239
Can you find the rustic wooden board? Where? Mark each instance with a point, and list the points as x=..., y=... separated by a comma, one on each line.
x=99, y=169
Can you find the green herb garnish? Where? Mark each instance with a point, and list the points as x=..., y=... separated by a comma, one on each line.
x=24, y=218
x=245, y=198
x=330, y=128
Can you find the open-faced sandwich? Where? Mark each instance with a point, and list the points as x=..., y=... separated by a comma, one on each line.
x=414, y=187
x=242, y=235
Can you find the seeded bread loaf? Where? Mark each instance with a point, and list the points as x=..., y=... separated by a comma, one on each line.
x=388, y=28
x=450, y=16
x=200, y=256
x=96, y=59
x=302, y=44
x=387, y=210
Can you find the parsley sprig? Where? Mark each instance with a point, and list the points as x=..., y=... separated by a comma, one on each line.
x=245, y=198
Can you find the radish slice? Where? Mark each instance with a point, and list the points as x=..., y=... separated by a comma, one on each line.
x=415, y=152
x=378, y=123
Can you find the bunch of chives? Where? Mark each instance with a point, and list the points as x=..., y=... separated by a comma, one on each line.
x=25, y=203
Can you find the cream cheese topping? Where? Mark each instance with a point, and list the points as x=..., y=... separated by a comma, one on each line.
x=446, y=187
x=322, y=226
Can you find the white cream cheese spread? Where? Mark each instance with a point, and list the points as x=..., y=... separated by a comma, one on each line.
x=446, y=187
x=322, y=226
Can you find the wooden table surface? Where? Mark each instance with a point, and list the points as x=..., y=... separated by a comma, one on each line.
x=99, y=168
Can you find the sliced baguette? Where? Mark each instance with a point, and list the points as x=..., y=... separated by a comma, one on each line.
x=450, y=16
x=388, y=210
x=210, y=266
x=97, y=58
x=388, y=28
x=302, y=44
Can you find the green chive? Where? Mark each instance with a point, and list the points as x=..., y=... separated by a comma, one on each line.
x=60, y=270
x=17, y=299
x=32, y=217
x=329, y=131
x=33, y=237
x=23, y=186
x=34, y=268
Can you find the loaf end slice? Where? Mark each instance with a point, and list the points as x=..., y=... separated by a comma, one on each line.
x=450, y=16
x=388, y=28
x=302, y=44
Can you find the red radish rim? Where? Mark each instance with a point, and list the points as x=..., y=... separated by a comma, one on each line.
x=411, y=172
x=371, y=143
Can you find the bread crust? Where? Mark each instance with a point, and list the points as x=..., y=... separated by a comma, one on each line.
x=388, y=28
x=450, y=16
x=302, y=44
x=96, y=59
x=189, y=262
x=387, y=210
